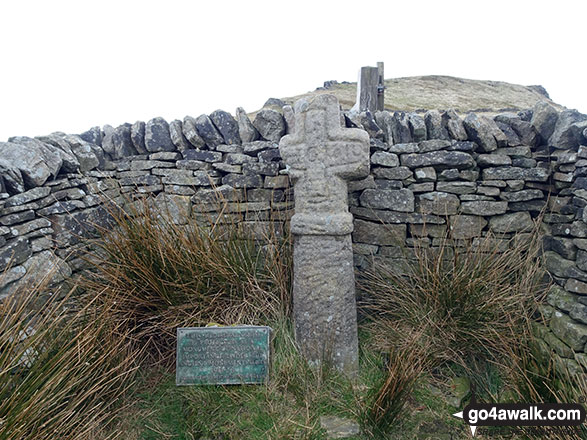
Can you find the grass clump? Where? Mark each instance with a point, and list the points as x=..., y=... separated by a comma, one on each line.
x=461, y=309
x=63, y=370
x=157, y=275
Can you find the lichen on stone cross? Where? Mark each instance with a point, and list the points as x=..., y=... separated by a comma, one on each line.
x=321, y=156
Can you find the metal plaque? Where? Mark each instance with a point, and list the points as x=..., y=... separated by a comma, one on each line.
x=222, y=355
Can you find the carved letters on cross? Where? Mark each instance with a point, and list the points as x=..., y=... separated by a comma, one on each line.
x=321, y=155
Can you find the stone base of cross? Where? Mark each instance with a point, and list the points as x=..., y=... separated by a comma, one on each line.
x=321, y=156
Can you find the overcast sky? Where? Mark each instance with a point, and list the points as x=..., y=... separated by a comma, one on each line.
x=69, y=65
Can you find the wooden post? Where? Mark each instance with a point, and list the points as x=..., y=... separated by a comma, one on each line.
x=367, y=89
x=380, y=87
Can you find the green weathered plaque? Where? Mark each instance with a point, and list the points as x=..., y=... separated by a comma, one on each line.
x=222, y=355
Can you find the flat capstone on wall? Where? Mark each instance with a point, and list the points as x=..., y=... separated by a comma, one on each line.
x=428, y=172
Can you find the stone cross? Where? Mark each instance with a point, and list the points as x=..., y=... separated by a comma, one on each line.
x=320, y=156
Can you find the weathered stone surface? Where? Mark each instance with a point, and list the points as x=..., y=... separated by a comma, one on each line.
x=370, y=126
x=466, y=226
x=242, y=181
x=567, y=134
x=457, y=187
x=493, y=160
x=320, y=155
x=484, y=208
x=378, y=233
x=426, y=174
x=576, y=286
x=516, y=173
x=454, y=125
x=571, y=332
x=270, y=125
x=56, y=144
x=385, y=122
x=289, y=117
x=33, y=163
x=15, y=252
x=27, y=197
x=157, y=136
x=177, y=137
x=418, y=127
x=439, y=203
x=434, y=126
x=514, y=222
x=512, y=137
x=562, y=246
x=208, y=132
x=174, y=208
x=93, y=136
x=521, y=196
x=88, y=156
x=396, y=200
x=137, y=136
x=384, y=159
x=400, y=128
x=544, y=119
x=227, y=126
x=205, y=155
x=441, y=159
x=479, y=130
x=46, y=266
x=122, y=145
x=433, y=145
x=190, y=132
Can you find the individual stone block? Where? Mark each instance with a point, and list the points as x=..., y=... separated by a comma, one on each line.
x=568, y=130
x=434, y=126
x=493, y=160
x=400, y=128
x=385, y=122
x=404, y=148
x=270, y=125
x=246, y=129
x=243, y=181
x=398, y=173
x=544, y=118
x=482, y=131
x=379, y=234
x=384, y=159
x=484, y=208
x=227, y=126
x=157, y=136
x=514, y=222
x=572, y=333
x=454, y=125
x=27, y=196
x=208, y=132
x=202, y=155
x=466, y=226
x=190, y=131
x=514, y=173
x=263, y=169
x=93, y=136
x=418, y=127
x=426, y=174
x=177, y=137
x=457, y=187
x=576, y=286
x=370, y=126
x=433, y=145
x=259, y=146
x=521, y=196
x=396, y=200
x=14, y=252
x=441, y=159
x=137, y=137
x=439, y=203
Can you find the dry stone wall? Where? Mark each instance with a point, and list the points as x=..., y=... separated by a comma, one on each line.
x=430, y=173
